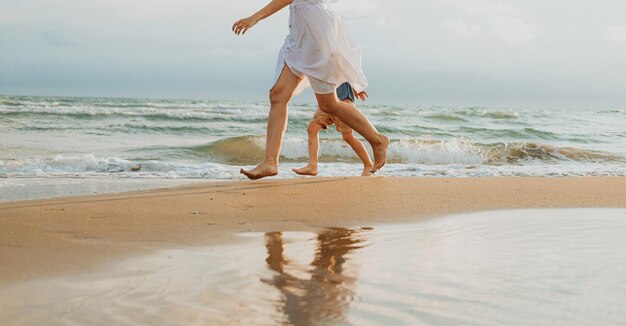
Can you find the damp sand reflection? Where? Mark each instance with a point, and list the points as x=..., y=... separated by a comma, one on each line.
x=529, y=267
x=323, y=293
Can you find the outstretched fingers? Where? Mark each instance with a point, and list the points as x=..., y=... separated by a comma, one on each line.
x=239, y=27
x=243, y=25
x=363, y=96
x=360, y=95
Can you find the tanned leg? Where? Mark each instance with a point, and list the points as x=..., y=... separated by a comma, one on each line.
x=280, y=96
x=356, y=120
x=313, y=133
x=360, y=151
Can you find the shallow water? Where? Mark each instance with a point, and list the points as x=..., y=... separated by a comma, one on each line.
x=16, y=189
x=56, y=137
x=530, y=267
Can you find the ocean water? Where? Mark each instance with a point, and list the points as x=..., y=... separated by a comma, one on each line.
x=54, y=137
x=529, y=267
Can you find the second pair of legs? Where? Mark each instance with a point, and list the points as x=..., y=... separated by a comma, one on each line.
x=348, y=137
x=281, y=95
x=323, y=122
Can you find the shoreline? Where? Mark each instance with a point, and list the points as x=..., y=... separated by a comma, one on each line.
x=27, y=189
x=43, y=238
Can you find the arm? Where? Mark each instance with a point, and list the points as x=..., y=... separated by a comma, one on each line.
x=243, y=25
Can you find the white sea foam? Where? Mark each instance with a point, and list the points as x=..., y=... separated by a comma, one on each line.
x=455, y=151
x=142, y=138
x=207, y=112
x=437, y=152
x=91, y=166
x=433, y=151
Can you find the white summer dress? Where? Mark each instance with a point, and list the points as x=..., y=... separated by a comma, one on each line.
x=319, y=49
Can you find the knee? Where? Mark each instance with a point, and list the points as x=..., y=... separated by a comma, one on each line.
x=312, y=128
x=347, y=136
x=279, y=95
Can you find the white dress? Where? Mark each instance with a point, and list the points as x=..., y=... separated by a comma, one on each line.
x=319, y=49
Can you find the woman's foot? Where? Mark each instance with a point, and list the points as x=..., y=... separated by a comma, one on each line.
x=261, y=171
x=367, y=170
x=307, y=170
x=380, y=152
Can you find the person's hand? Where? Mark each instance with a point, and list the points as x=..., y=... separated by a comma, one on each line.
x=243, y=25
x=362, y=95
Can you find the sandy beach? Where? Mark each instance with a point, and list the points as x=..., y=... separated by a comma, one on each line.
x=51, y=237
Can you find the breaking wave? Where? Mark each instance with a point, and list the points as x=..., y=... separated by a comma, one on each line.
x=250, y=149
x=411, y=157
x=93, y=137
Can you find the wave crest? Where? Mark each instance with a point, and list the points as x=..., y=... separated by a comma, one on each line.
x=250, y=150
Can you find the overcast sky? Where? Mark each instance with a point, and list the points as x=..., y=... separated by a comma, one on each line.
x=429, y=52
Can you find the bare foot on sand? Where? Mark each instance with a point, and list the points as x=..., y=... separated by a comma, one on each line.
x=261, y=171
x=307, y=170
x=380, y=153
x=367, y=171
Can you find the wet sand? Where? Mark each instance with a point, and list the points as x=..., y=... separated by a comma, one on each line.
x=523, y=267
x=85, y=234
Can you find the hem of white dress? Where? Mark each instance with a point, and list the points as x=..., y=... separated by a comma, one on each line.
x=280, y=72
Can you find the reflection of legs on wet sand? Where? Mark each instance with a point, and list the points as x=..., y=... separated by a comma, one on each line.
x=327, y=295
x=287, y=285
x=274, y=245
x=332, y=247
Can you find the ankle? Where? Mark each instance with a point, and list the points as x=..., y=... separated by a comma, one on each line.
x=377, y=140
x=270, y=163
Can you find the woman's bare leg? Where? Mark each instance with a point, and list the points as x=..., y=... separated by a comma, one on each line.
x=360, y=151
x=280, y=96
x=355, y=119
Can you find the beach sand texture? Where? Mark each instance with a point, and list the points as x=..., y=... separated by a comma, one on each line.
x=82, y=234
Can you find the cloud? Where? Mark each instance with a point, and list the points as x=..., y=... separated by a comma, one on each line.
x=615, y=34
x=186, y=47
x=460, y=28
x=511, y=30
x=357, y=8
x=491, y=8
x=55, y=39
x=504, y=22
x=8, y=14
x=384, y=22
